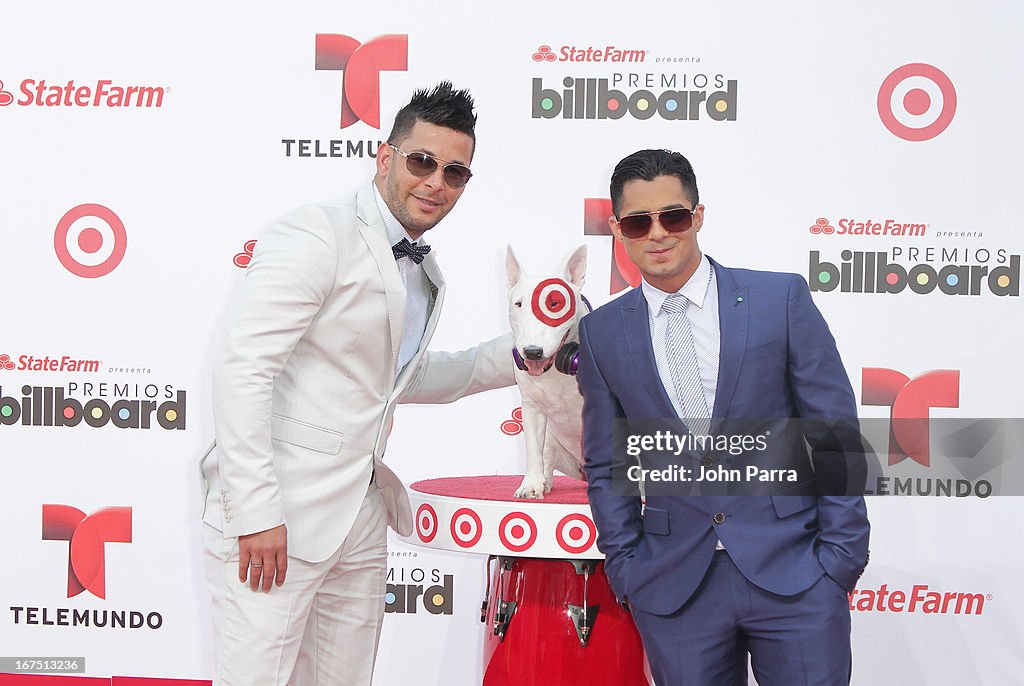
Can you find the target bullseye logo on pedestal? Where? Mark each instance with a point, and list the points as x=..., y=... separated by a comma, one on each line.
x=917, y=102
x=517, y=531
x=466, y=528
x=90, y=240
x=554, y=302
x=575, y=533
x=426, y=523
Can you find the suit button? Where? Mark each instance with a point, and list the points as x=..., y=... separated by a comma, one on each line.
x=706, y=462
x=719, y=518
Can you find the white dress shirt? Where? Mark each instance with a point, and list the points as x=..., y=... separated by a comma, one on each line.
x=702, y=290
x=417, y=288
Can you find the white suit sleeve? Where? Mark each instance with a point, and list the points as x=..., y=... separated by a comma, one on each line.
x=291, y=274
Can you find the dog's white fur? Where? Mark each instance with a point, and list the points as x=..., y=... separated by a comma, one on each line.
x=552, y=404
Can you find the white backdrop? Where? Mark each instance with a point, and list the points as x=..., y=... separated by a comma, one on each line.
x=195, y=174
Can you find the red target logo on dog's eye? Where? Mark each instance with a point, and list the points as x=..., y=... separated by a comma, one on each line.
x=554, y=302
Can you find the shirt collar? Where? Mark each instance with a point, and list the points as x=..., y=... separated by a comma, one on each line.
x=396, y=232
x=695, y=289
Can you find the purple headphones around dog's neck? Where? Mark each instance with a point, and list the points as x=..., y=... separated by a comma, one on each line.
x=567, y=359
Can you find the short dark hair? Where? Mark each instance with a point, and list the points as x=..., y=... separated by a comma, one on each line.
x=443, y=106
x=647, y=165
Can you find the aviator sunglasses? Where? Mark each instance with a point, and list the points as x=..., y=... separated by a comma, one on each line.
x=422, y=165
x=675, y=220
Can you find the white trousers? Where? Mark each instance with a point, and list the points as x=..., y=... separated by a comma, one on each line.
x=321, y=628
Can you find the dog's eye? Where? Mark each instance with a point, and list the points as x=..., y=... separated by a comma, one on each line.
x=518, y=303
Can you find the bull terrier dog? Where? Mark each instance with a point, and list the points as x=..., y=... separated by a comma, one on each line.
x=545, y=313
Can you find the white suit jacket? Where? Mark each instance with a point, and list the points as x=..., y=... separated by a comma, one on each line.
x=305, y=391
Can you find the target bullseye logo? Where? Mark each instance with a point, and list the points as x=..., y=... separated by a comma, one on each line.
x=426, y=523
x=517, y=531
x=90, y=240
x=575, y=533
x=554, y=302
x=466, y=528
x=917, y=102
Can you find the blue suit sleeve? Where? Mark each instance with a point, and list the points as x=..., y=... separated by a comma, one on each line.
x=617, y=515
x=827, y=408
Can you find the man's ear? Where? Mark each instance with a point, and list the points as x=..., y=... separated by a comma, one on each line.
x=614, y=226
x=385, y=156
x=698, y=217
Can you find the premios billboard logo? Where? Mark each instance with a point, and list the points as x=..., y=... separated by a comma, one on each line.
x=625, y=90
x=361, y=65
x=920, y=270
x=410, y=590
x=96, y=405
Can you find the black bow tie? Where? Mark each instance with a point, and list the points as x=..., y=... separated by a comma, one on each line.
x=404, y=248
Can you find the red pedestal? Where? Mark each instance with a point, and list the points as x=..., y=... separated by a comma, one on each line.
x=550, y=618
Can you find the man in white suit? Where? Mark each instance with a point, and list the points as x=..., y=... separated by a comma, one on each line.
x=338, y=305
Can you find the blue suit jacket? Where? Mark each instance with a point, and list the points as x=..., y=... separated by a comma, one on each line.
x=778, y=360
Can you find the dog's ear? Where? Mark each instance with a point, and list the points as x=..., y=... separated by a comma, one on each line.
x=512, y=269
x=576, y=268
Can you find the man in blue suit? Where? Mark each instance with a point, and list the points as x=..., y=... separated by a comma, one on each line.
x=713, y=575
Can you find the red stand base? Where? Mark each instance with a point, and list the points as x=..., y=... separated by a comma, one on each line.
x=556, y=623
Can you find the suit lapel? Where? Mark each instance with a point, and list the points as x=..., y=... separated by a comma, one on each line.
x=733, y=315
x=376, y=238
x=433, y=274
x=636, y=327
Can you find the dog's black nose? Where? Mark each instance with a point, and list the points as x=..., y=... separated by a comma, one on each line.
x=533, y=352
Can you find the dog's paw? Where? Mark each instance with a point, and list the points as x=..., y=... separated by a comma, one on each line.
x=531, y=489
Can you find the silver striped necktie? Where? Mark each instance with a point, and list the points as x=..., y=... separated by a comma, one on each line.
x=682, y=360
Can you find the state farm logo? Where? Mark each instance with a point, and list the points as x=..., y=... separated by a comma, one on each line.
x=916, y=102
x=909, y=400
x=513, y=426
x=90, y=240
x=242, y=259
x=86, y=536
x=47, y=363
x=590, y=53
x=102, y=93
x=362, y=64
x=624, y=274
x=919, y=599
x=848, y=226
